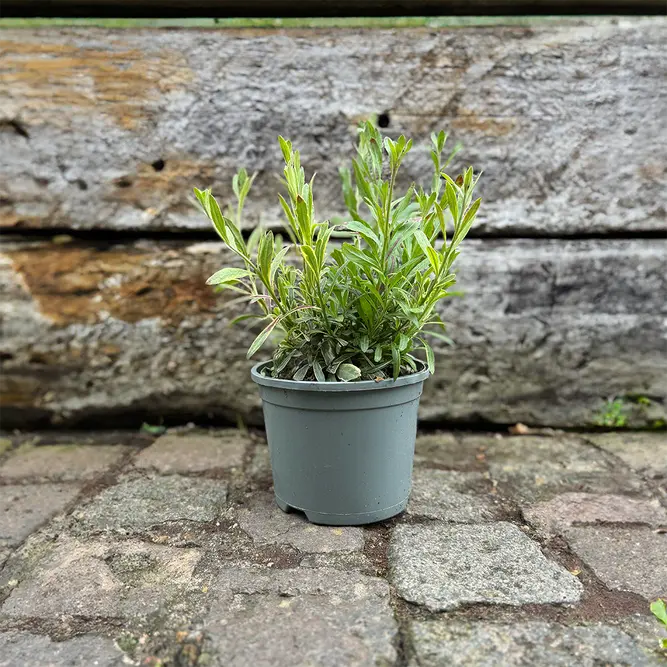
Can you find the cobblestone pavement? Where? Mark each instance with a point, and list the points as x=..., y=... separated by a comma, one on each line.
x=520, y=550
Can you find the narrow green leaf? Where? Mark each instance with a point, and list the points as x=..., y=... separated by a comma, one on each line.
x=286, y=148
x=378, y=354
x=328, y=353
x=403, y=342
x=284, y=361
x=423, y=241
x=323, y=236
x=319, y=374
x=433, y=258
x=265, y=255
x=365, y=307
x=348, y=372
x=430, y=357
x=276, y=262
x=301, y=373
x=452, y=201
x=471, y=212
x=310, y=258
x=227, y=275
x=396, y=361
x=366, y=233
x=261, y=338
x=440, y=336
x=253, y=239
x=364, y=343
x=246, y=316
x=659, y=610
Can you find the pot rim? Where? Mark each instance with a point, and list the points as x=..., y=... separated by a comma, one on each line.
x=364, y=385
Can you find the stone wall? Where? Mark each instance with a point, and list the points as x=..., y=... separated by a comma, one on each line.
x=103, y=133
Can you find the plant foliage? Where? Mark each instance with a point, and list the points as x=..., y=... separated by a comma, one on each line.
x=659, y=610
x=360, y=309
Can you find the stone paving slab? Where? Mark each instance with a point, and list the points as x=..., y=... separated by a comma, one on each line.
x=451, y=452
x=556, y=515
x=101, y=578
x=266, y=523
x=644, y=452
x=62, y=463
x=22, y=649
x=630, y=559
x=461, y=497
x=138, y=504
x=537, y=468
x=445, y=566
x=25, y=507
x=195, y=452
x=535, y=644
x=301, y=617
x=181, y=540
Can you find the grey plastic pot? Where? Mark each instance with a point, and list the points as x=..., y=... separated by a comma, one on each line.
x=341, y=452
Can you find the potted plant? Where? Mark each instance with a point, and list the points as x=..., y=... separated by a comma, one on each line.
x=341, y=392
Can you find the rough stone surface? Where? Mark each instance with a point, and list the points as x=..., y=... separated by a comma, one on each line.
x=445, y=450
x=301, y=617
x=645, y=631
x=452, y=496
x=443, y=567
x=550, y=113
x=338, y=560
x=445, y=643
x=62, y=462
x=532, y=320
x=136, y=504
x=537, y=468
x=629, y=559
x=554, y=516
x=109, y=579
x=184, y=452
x=22, y=648
x=260, y=464
x=267, y=524
x=644, y=452
x=24, y=508
x=244, y=584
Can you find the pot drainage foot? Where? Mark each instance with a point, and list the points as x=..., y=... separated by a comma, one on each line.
x=284, y=506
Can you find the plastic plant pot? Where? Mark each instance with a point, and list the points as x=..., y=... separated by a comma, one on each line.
x=341, y=452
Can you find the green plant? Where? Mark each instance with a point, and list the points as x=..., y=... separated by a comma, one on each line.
x=358, y=310
x=659, y=610
x=612, y=414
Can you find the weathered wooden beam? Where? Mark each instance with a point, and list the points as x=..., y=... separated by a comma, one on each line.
x=313, y=8
x=547, y=331
x=108, y=129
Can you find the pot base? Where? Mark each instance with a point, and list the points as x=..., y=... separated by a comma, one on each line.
x=357, y=519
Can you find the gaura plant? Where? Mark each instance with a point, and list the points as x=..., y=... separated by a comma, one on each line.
x=357, y=310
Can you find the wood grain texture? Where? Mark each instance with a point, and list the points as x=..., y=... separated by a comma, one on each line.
x=315, y=8
x=103, y=129
x=546, y=332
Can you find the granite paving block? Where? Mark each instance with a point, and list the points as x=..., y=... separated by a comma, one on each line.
x=303, y=617
x=445, y=566
x=136, y=504
x=194, y=452
x=629, y=559
x=23, y=508
x=266, y=523
x=102, y=578
x=443, y=643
